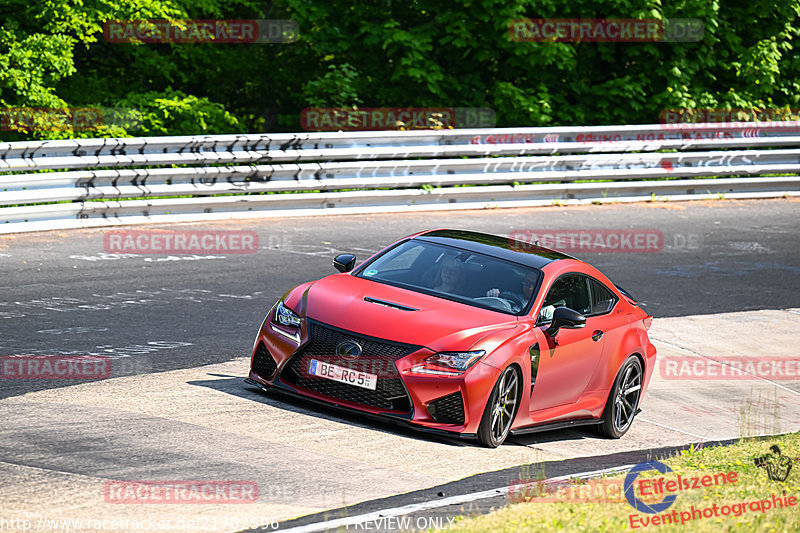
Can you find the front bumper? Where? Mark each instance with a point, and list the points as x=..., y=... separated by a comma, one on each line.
x=378, y=417
x=432, y=401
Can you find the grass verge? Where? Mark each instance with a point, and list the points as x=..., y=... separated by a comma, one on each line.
x=600, y=505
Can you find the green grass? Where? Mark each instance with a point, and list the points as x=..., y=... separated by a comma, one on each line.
x=752, y=484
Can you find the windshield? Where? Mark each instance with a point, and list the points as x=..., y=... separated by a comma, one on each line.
x=467, y=277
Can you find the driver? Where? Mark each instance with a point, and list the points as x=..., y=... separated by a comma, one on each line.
x=528, y=284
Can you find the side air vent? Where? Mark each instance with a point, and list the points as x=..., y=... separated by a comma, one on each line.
x=534, y=353
x=263, y=363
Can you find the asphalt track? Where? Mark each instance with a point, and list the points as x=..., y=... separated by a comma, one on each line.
x=179, y=329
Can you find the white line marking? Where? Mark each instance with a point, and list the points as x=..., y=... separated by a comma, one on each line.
x=48, y=470
x=431, y=504
x=670, y=427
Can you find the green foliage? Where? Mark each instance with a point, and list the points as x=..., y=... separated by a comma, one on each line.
x=337, y=88
x=386, y=53
x=175, y=113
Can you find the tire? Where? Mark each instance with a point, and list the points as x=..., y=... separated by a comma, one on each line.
x=623, y=400
x=501, y=409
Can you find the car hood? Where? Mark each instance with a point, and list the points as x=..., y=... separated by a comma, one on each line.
x=436, y=323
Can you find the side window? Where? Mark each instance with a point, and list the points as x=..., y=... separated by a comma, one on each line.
x=603, y=300
x=570, y=291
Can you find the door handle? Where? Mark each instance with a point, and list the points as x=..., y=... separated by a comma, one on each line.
x=597, y=335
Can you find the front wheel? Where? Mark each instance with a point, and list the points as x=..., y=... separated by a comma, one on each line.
x=623, y=401
x=501, y=409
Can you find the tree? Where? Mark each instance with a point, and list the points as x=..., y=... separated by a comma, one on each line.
x=389, y=53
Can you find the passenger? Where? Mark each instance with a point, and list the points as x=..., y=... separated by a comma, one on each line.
x=451, y=277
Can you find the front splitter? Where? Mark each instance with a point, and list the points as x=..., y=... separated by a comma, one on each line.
x=372, y=416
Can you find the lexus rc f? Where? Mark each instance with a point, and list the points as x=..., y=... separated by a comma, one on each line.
x=462, y=333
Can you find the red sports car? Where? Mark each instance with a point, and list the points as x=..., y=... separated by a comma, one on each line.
x=472, y=335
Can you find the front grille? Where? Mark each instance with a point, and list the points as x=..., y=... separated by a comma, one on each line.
x=263, y=363
x=377, y=357
x=448, y=409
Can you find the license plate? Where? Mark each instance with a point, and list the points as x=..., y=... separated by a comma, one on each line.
x=343, y=375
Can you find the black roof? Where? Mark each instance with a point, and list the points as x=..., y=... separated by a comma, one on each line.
x=503, y=247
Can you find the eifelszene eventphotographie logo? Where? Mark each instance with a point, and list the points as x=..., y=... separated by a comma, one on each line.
x=777, y=465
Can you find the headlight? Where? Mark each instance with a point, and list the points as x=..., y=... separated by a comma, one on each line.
x=448, y=363
x=458, y=360
x=285, y=316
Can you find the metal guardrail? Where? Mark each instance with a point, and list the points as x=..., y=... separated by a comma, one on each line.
x=227, y=175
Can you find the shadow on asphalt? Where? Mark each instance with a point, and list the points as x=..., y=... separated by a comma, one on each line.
x=235, y=386
x=559, y=435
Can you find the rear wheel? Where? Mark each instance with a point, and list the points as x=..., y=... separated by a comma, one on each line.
x=501, y=409
x=623, y=401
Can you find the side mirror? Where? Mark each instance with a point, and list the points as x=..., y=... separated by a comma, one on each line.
x=344, y=262
x=564, y=317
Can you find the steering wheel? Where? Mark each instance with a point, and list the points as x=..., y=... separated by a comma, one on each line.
x=514, y=298
x=494, y=301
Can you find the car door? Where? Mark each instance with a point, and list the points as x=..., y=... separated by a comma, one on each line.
x=610, y=320
x=568, y=362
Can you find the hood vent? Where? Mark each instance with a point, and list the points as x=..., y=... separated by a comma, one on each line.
x=389, y=304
